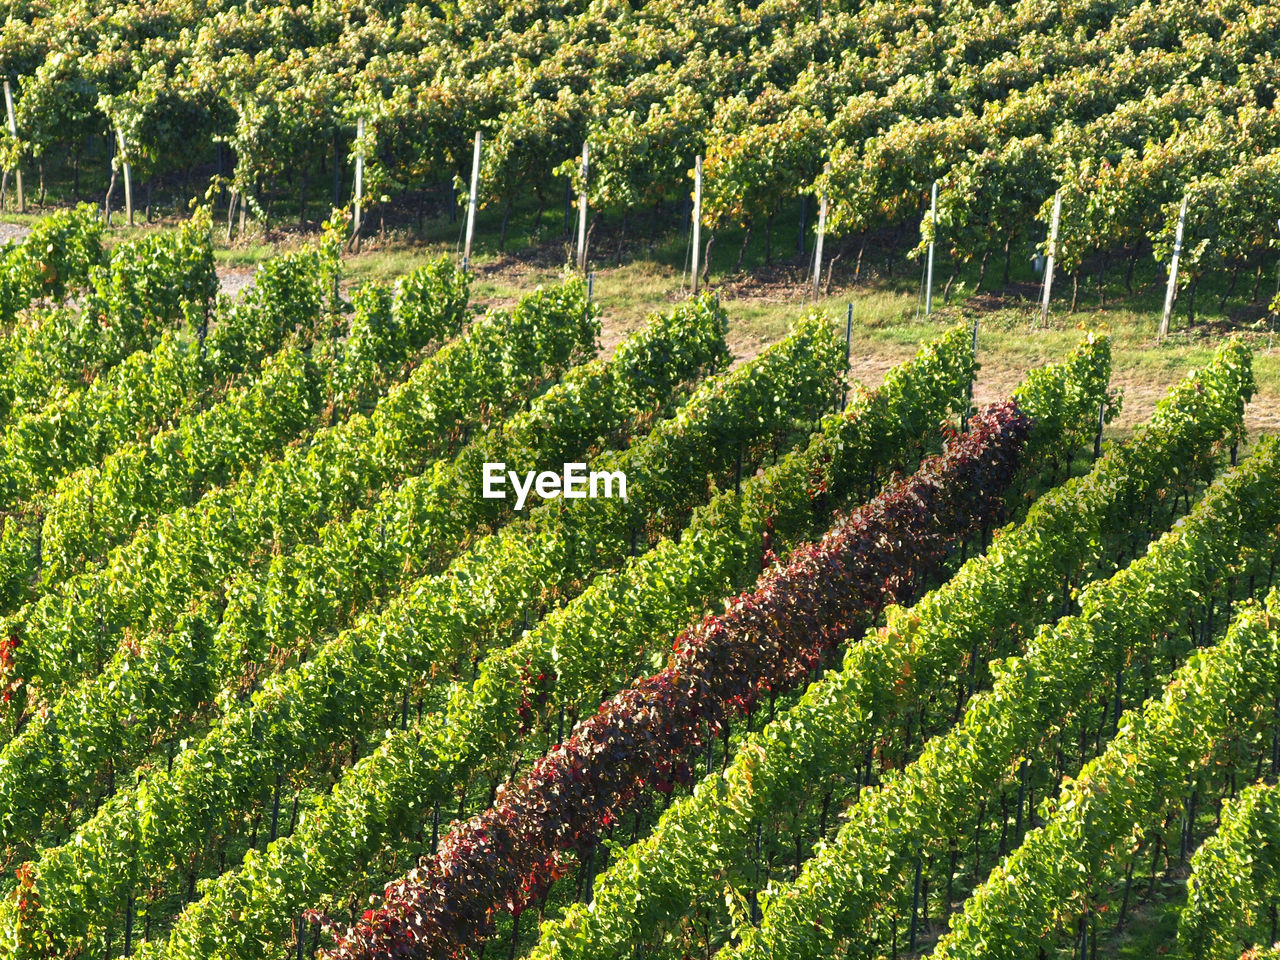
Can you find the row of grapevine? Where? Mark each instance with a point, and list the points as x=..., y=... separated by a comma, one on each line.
x=532, y=128
x=510, y=854
x=296, y=719
x=779, y=151
x=1004, y=90
x=856, y=883
x=750, y=170
x=57, y=258
x=1234, y=887
x=957, y=123
x=151, y=389
x=763, y=149
x=415, y=530
x=1095, y=823
x=639, y=121
x=99, y=506
x=603, y=635
x=524, y=76
x=1135, y=196
x=1224, y=204
x=160, y=689
x=151, y=283
x=642, y=117
x=892, y=671
x=145, y=583
x=883, y=179
x=980, y=199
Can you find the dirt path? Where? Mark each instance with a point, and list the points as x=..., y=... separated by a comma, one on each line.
x=232, y=280
x=13, y=231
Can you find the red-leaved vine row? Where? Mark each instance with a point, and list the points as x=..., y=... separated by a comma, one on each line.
x=768, y=640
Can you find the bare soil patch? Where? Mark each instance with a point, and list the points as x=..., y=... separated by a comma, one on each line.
x=13, y=231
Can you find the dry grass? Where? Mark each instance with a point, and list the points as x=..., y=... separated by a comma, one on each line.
x=887, y=323
x=886, y=329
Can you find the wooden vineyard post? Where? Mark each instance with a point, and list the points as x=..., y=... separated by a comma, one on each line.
x=582, y=210
x=13, y=132
x=359, y=186
x=697, y=217
x=1272, y=336
x=471, y=202
x=848, y=333
x=933, y=220
x=128, y=176
x=974, y=353
x=1172, y=288
x=233, y=200
x=804, y=210
x=822, y=229
x=1053, y=252
x=848, y=340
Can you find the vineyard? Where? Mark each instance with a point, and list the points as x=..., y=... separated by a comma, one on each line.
x=859, y=672
x=842, y=659
x=1127, y=114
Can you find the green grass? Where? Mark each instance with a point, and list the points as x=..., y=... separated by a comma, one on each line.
x=1151, y=931
x=887, y=319
x=764, y=299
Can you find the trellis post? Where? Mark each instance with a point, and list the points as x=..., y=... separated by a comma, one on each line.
x=357, y=210
x=697, y=217
x=471, y=203
x=973, y=352
x=1053, y=253
x=848, y=340
x=933, y=221
x=822, y=230
x=1172, y=288
x=582, y=209
x=128, y=175
x=13, y=131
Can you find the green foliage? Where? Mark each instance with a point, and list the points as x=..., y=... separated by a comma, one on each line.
x=134, y=405
x=142, y=692
x=297, y=716
x=690, y=858
x=1235, y=879
x=56, y=258
x=157, y=387
x=759, y=154
x=641, y=371
x=1093, y=825
x=149, y=286
x=98, y=507
x=146, y=582
x=157, y=280
x=916, y=810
